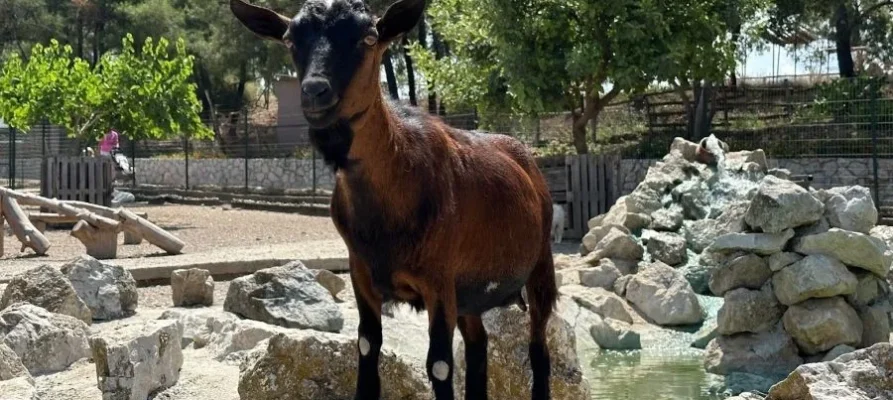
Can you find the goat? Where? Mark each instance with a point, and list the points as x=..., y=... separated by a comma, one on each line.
x=558, y=219
x=451, y=222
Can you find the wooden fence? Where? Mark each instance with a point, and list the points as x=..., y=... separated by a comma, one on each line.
x=87, y=179
x=585, y=185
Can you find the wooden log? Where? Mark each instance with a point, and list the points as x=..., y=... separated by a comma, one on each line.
x=22, y=227
x=101, y=243
x=97, y=221
x=149, y=231
x=132, y=237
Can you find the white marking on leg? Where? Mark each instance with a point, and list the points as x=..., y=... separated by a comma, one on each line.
x=440, y=370
x=364, y=346
x=492, y=286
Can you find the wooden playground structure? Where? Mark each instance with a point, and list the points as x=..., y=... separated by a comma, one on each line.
x=77, y=190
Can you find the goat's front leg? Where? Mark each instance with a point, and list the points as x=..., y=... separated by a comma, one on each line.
x=370, y=339
x=441, y=324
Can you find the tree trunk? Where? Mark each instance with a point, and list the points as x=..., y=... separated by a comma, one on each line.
x=80, y=34
x=702, y=113
x=844, y=39
x=410, y=73
x=390, y=76
x=736, y=36
x=579, y=132
x=439, y=52
x=24, y=230
x=240, y=88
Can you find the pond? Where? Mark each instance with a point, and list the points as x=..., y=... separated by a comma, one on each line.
x=667, y=367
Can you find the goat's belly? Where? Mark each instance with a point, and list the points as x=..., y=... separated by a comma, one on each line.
x=478, y=297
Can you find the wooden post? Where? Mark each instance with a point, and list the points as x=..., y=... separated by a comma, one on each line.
x=21, y=225
x=101, y=243
x=151, y=232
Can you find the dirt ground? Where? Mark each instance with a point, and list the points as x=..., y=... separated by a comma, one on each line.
x=202, y=228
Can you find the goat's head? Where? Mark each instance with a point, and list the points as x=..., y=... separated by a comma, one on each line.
x=337, y=46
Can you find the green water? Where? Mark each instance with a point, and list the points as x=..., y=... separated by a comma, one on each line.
x=667, y=367
x=637, y=376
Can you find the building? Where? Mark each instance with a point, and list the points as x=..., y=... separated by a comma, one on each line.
x=292, y=127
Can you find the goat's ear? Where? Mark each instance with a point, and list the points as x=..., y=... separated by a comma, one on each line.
x=400, y=18
x=264, y=22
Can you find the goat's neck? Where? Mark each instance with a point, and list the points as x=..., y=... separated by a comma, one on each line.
x=376, y=147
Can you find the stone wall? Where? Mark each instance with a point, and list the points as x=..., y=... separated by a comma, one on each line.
x=278, y=173
x=826, y=172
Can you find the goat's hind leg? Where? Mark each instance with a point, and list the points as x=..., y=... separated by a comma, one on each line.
x=475, y=336
x=370, y=337
x=542, y=293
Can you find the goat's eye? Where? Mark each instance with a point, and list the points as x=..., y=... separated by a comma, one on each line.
x=370, y=40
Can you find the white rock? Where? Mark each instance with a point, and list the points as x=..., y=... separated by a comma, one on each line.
x=814, y=276
x=134, y=361
x=333, y=283
x=778, y=261
x=287, y=296
x=746, y=310
x=11, y=365
x=45, y=342
x=613, y=334
x=818, y=325
x=760, y=243
x=192, y=287
x=21, y=388
x=109, y=290
x=47, y=288
x=668, y=248
x=602, y=276
x=780, y=205
x=748, y=271
x=769, y=353
x=862, y=374
x=851, y=248
x=599, y=301
x=851, y=208
x=664, y=295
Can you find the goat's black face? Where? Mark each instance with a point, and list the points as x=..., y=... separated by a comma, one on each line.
x=336, y=46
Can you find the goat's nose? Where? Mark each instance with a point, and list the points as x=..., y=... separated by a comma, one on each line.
x=316, y=88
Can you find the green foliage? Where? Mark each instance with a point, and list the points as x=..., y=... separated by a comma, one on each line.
x=855, y=100
x=145, y=95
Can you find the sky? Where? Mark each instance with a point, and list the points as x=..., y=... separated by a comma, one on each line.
x=760, y=64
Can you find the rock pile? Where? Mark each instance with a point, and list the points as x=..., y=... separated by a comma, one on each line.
x=799, y=273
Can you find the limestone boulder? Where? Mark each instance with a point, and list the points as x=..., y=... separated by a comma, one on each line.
x=814, y=276
x=778, y=261
x=837, y=351
x=309, y=365
x=862, y=374
x=768, y=353
x=508, y=366
x=763, y=244
x=615, y=335
x=875, y=324
x=200, y=325
x=21, y=388
x=620, y=284
x=851, y=208
x=707, y=332
x=700, y=234
x=47, y=288
x=136, y=360
x=667, y=219
x=746, y=310
x=780, y=205
x=818, y=325
x=108, y=290
x=643, y=200
x=668, y=248
x=667, y=173
x=686, y=149
x=45, y=342
x=747, y=271
x=618, y=244
x=11, y=365
x=595, y=235
x=692, y=195
x=288, y=296
x=192, y=287
x=852, y=248
x=821, y=226
x=602, y=276
x=731, y=220
x=599, y=301
x=868, y=289
x=664, y=295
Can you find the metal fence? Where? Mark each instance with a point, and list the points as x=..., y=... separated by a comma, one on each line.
x=839, y=131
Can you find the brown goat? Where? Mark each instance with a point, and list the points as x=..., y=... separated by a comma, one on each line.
x=450, y=221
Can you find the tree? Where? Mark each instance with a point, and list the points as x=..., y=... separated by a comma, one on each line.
x=848, y=23
x=146, y=94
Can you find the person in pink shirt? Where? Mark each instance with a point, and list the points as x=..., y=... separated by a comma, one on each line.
x=108, y=143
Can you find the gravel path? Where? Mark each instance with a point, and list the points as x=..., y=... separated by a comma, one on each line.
x=202, y=228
